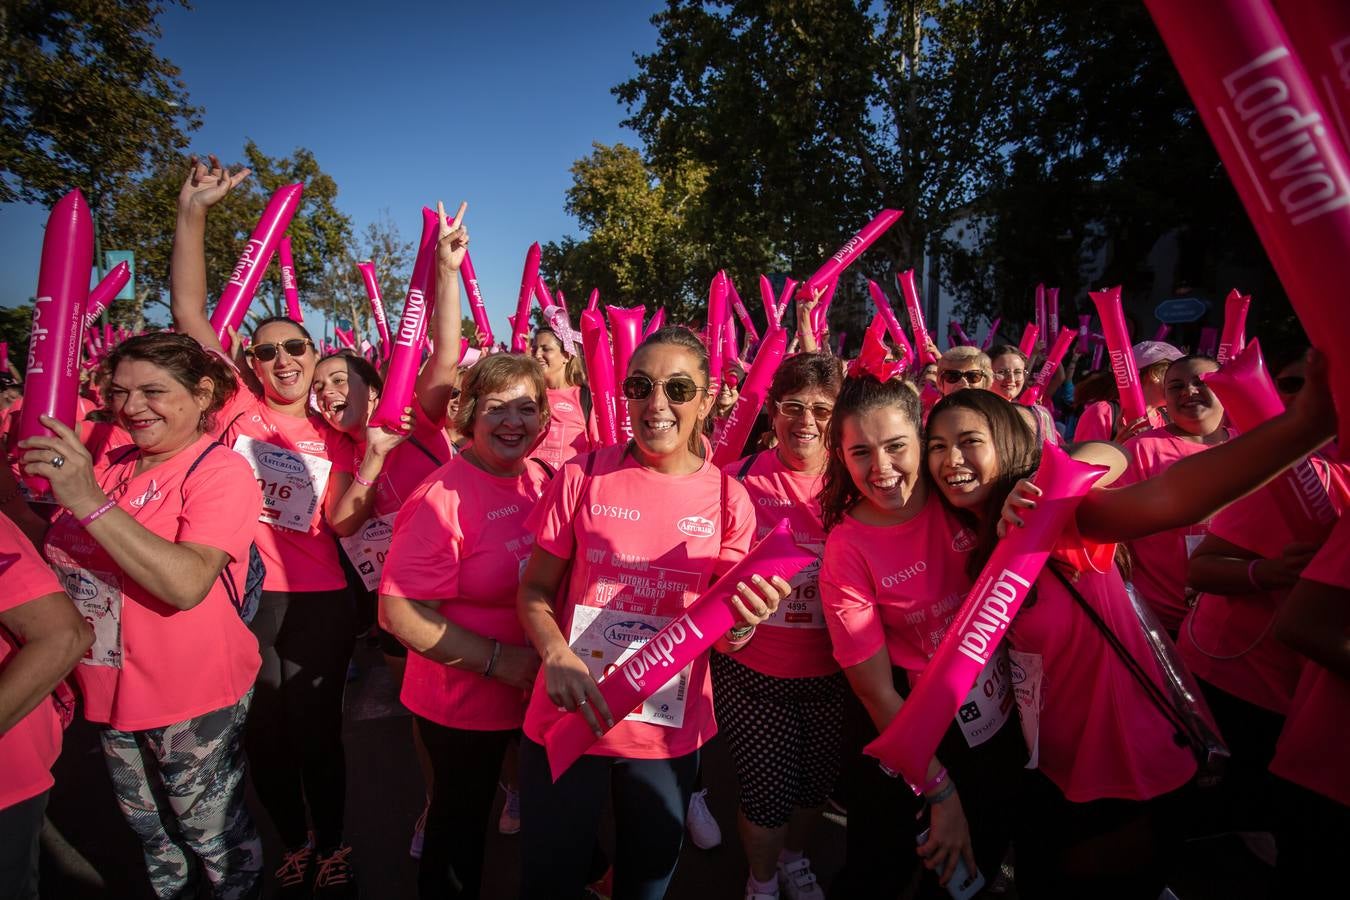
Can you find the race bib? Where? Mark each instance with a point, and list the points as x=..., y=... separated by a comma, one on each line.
x=987, y=705
x=98, y=598
x=367, y=548
x=605, y=638
x=292, y=482
x=802, y=608
x=1193, y=541
x=1027, y=674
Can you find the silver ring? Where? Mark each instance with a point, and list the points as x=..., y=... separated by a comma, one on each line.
x=58, y=461
x=582, y=702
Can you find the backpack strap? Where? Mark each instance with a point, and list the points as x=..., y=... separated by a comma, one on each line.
x=587, y=403
x=748, y=465
x=548, y=470
x=425, y=449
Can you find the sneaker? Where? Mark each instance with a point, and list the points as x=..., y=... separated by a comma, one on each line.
x=419, y=833
x=296, y=873
x=703, y=828
x=335, y=876
x=798, y=882
x=509, y=823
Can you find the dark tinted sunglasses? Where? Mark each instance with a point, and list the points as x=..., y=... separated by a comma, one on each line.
x=268, y=352
x=680, y=389
x=971, y=376
x=1289, y=384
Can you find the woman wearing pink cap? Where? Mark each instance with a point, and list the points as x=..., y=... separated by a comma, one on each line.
x=1100, y=421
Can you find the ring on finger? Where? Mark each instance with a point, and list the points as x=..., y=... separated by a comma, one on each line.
x=58, y=461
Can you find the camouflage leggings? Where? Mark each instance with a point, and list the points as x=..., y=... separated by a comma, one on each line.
x=181, y=789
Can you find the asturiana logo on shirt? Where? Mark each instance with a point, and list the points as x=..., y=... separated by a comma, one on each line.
x=281, y=462
x=696, y=526
x=979, y=636
x=78, y=587
x=659, y=651
x=377, y=530
x=615, y=512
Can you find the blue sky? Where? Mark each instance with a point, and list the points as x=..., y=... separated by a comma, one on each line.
x=404, y=103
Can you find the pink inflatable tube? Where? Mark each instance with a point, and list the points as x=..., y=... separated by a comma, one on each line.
x=747, y=323
x=1058, y=350
x=600, y=374
x=872, y=361
x=101, y=297
x=822, y=312
x=520, y=325
x=1163, y=331
x=1234, y=333
x=4, y=355
x=658, y=319
x=853, y=248
x=1083, y=323
x=730, y=345
x=406, y=357
x=1041, y=323
x=1209, y=341
x=593, y=302
x=910, y=740
x=954, y=330
x=625, y=326
x=1132, y=406
x=1098, y=354
x=288, y=283
x=376, y=303
x=52, y=381
x=883, y=305
x=248, y=271
x=733, y=435
x=541, y=292
x=876, y=329
x=1278, y=143
x=481, y=321
x=993, y=331
x=910, y=292
x=675, y=646
x=716, y=323
x=1320, y=30
x=784, y=301
x=346, y=338
x=1028, y=343
x=1249, y=398
x=1052, y=310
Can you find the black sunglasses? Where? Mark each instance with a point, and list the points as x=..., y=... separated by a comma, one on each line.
x=268, y=352
x=680, y=389
x=1289, y=384
x=970, y=376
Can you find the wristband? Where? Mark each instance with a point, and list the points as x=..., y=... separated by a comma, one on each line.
x=1251, y=574
x=947, y=790
x=84, y=523
x=356, y=476
x=935, y=781
x=492, y=660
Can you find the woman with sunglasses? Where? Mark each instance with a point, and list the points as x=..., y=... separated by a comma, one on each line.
x=1102, y=811
x=571, y=428
x=306, y=623
x=780, y=700
x=964, y=367
x=625, y=539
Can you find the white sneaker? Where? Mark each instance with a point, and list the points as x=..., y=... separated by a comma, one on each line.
x=703, y=828
x=509, y=823
x=798, y=882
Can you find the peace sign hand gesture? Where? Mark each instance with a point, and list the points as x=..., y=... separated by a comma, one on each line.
x=453, y=241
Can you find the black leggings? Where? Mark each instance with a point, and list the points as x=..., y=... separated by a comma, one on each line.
x=294, y=735
x=465, y=764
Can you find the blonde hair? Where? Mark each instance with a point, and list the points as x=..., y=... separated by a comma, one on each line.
x=961, y=357
x=497, y=373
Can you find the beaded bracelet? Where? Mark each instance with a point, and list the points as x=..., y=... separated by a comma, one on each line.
x=84, y=523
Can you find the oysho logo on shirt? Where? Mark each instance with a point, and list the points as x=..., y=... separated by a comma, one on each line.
x=774, y=502
x=695, y=526
x=502, y=512
x=281, y=462
x=150, y=493
x=615, y=512
x=904, y=574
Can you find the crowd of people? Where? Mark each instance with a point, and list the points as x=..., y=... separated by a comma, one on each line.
x=203, y=557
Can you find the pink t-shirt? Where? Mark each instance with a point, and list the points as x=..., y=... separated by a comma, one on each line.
x=1312, y=748
x=1097, y=422
x=569, y=431
x=795, y=642
x=1100, y=734
x=151, y=664
x=461, y=542
x=27, y=750
x=894, y=585
x=296, y=560
x=1160, y=559
x=409, y=464
x=644, y=546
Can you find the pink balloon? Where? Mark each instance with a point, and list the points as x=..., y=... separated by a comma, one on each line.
x=481, y=321
x=883, y=305
x=733, y=435
x=1132, y=406
x=346, y=338
x=101, y=297
x=658, y=319
x=376, y=303
x=1052, y=310
x=1248, y=395
x=784, y=300
x=520, y=325
x=853, y=248
x=600, y=374
x=1028, y=343
x=730, y=345
x=910, y=292
x=593, y=302
x=1083, y=323
x=1162, y=332
x=766, y=297
x=742, y=313
x=624, y=327
x=1231, y=341
x=288, y=284
x=717, y=320
x=541, y=291
x=993, y=331
x=1041, y=321
x=1056, y=355
x=957, y=335
x=876, y=329
x=51, y=383
x=406, y=357
x=910, y=740
x=248, y=271
x=677, y=645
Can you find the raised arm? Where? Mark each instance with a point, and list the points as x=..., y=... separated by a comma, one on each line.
x=439, y=374
x=206, y=185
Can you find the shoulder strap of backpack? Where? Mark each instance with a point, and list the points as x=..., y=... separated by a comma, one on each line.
x=426, y=450
x=587, y=403
x=748, y=465
x=548, y=470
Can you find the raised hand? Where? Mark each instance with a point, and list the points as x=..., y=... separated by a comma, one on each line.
x=453, y=240
x=207, y=184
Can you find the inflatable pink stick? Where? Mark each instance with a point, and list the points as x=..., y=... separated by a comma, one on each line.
x=747, y=323
x=733, y=435
x=910, y=292
x=1028, y=343
x=101, y=297
x=784, y=301
x=883, y=305
x=1083, y=323
x=1208, y=344
x=541, y=292
x=520, y=325
x=770, y=303
x=1234, y=326
x=600, y=374
x=406, y=357
x=1321, y=35
x=1041, y=324
x=910, y=740
x=730, y=346
x=658, y=319
x=955, y=331
x=624, y=327
x=109, y=339
x=593, y=302
x=288, y=283
x=1098, y=351
x=993, y=332
x=677, y=645
x=346, y=338
x=1112, y=316
x=1163, y=331
x=376, y=303
x=852, y=249
x=1058, y=350
x=716, y=323
x=248, y=271
x=876, y=328
x=1052, y=310
x=1278, y=143
x=51, y=382
x=822, y=310
x=4, y=355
